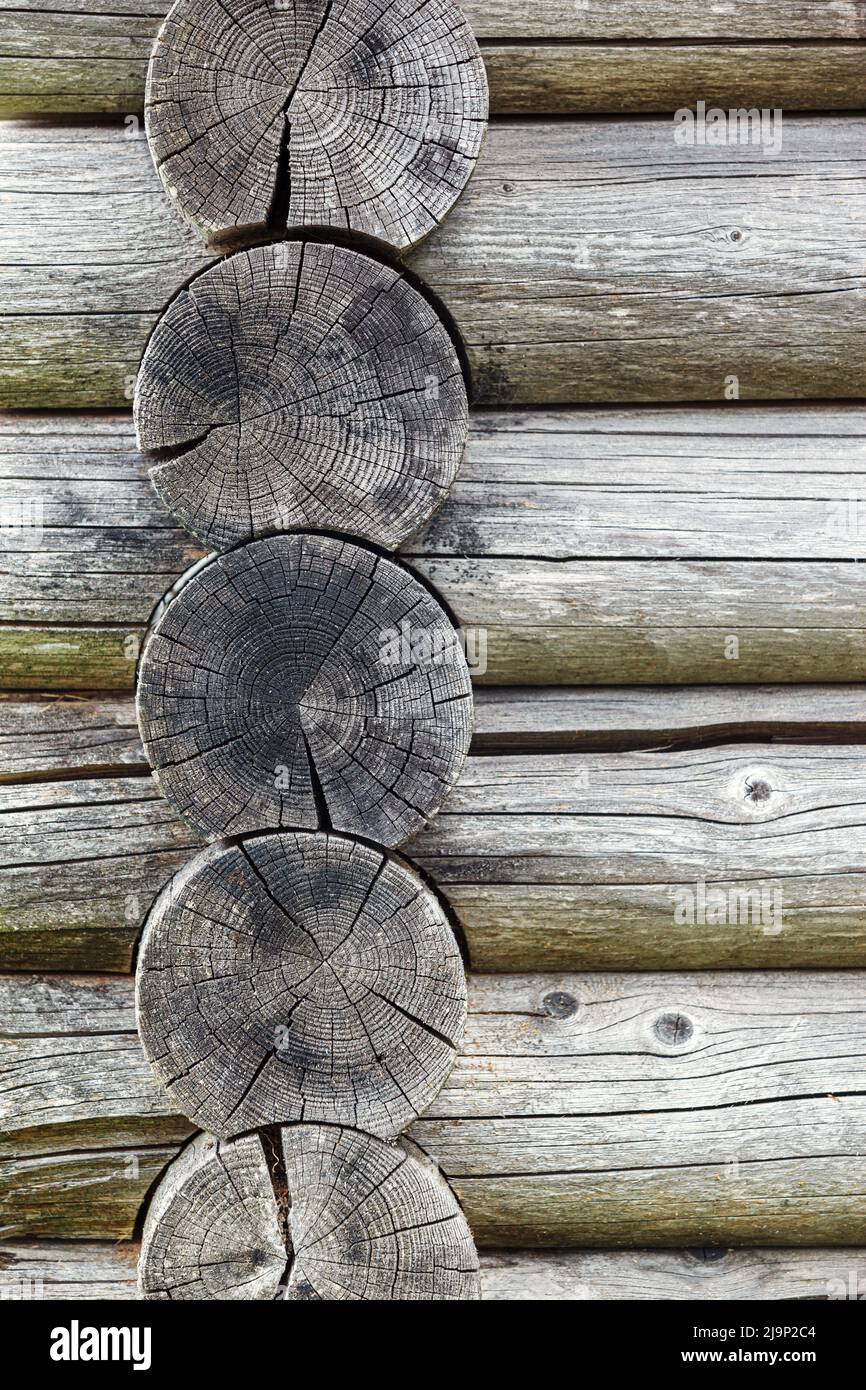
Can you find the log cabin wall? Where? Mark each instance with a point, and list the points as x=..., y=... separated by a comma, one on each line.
x=653, y=851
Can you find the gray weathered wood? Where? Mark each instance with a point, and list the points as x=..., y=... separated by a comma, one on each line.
x=576, y=622
x=665, y=1275
x=299, y=977
x=246, y=438
x=49, y=738
x=758, y=482
x=212, y=1228
x=519, y=19
x=307, y=1213
x=98, y=1270
x=691, y=266
x=93, y=545
x=597, y=1110
x=305, y=682
x=46, y=739
x=92, y=58
x=567, y=861
x=368, y=115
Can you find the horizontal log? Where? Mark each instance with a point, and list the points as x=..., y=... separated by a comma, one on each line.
x=698, y=272
x=85, y=1270
x=746, y=855
x=757, y=482
x=520, y=550
x=556, y=1127
x=62, y=64
x=580, y=622
x=51, y=738
x=613, y=79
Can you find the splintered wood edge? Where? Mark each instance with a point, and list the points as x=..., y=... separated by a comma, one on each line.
x=244, y=438
x=308, y=1212
x=294, y=978
x=261, y=118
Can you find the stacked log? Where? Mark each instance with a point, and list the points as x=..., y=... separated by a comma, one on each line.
x=303, y=699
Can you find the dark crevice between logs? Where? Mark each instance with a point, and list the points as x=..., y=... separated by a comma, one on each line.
x=276, y=1166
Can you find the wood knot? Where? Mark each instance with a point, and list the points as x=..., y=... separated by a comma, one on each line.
x=757, y=790
x=673, y=1029
x=558, y=1004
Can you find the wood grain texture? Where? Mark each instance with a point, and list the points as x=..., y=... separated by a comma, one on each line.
x=299, y=978
x=245, y=437
x=306, y=1213
x=361, y=115
x=606, y=861
x=535, y=79
x=93, y=60
x=53, y=738
x=87, y=541
x=604, y=1111
x=305, y=682
x=98, y=1270
x=693, y=265
x=557, y=19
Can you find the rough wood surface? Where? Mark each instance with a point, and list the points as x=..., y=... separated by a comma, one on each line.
x=576, y=622
x=590, y=1110
x=212, y=1229
x=56, y=737
x=517, y=19
x=607, y=861
x=89, y=59
x=303, y=1214
x=696, y=273
x=366, y=115
x=299, y=978
x=98, y=1270
x=87, y=542
x=250, y=439
x=534, y=79
x=304, y=682
x=757, y=482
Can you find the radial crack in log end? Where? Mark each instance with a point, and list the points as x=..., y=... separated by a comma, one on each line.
x=212, y=1229
x=301, y=385
x=297, y=649
x=359, y=114
x=367, y=1221
x=300, y=977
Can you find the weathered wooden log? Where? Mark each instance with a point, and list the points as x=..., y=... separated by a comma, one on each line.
x=706, y=858
x=575, y=622
x=590, y=1110
x=54, y=737
x=299, y=977
x=301, y=385
x=93, y=545
x=367, y=116
x=306, y=1213
x=305, y=682
x=88, y=60
x=213, y=1228
x=84, y=1270
x=699, y=272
